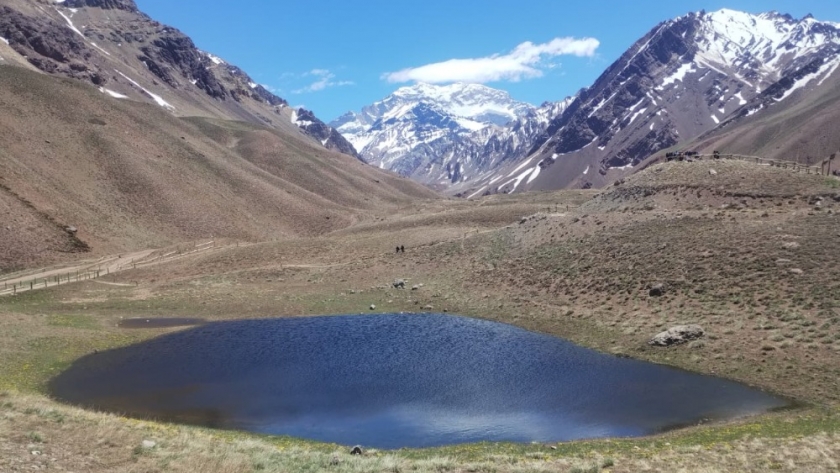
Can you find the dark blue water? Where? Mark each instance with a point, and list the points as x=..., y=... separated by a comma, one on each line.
x=397, y=380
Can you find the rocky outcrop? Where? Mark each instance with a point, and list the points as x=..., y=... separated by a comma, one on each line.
x=48, y=45
x=179, y=52
x=325, y=134
x=127, y=5
x=677, y=335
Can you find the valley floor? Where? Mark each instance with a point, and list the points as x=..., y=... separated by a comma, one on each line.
x=747, y=253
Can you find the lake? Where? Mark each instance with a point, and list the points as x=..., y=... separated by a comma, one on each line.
x=398, y=380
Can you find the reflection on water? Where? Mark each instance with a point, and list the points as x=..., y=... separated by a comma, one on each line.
x=398, y=380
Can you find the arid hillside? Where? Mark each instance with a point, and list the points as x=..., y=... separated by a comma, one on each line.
x=130, y=175
x=803, y=130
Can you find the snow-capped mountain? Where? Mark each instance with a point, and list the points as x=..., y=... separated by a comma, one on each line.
x=443, y=134
x=683, y=78
x=127, y=55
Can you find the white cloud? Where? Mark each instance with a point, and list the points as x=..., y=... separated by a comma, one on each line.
x=324, y=79
x=524, y=62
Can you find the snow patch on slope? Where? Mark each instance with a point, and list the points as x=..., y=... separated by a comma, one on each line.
x=110, y=92
x=157, y=98
x=836, y=63
x=635, y=115
x=678, y=75
x=829, y=66
x=70, y=23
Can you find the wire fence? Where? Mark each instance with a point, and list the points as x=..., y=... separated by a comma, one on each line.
x=779, y=163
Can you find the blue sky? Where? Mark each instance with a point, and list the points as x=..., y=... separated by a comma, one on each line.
x=332, y=56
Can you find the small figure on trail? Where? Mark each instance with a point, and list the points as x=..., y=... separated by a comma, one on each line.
x=402, y=248
x=398, y=249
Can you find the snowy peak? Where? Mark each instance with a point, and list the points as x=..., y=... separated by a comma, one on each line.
x=442, y=135
x=474, y=101
x=767, y=42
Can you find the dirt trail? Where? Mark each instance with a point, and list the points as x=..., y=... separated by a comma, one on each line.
x=94, y=269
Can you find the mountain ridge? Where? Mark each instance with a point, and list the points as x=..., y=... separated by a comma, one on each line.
x=128, y=55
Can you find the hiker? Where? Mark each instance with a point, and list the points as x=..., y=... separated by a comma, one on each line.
x=402, y=248
x=398, y=249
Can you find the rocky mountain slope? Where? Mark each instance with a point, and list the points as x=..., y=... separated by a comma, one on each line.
x=794, y=120
x=442, y=135
x=682, y=79
x=130, y=175
x=685, y=77
x=127, y=55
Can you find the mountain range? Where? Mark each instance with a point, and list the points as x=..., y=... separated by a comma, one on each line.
x=126, y=54
x=686, y=77
x=442, y=135
x=690, y=81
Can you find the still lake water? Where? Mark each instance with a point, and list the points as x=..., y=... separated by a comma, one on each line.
x=398, y=380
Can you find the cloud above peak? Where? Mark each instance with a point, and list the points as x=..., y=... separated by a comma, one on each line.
x=323, y=79
x=526, y=61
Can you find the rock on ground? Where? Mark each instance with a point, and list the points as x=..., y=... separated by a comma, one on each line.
x=677, y=335
x=657, y=290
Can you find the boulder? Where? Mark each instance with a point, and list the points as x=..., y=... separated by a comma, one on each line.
x=712, y=172
x=677, y=335
x=399, y=283
x=657, y=290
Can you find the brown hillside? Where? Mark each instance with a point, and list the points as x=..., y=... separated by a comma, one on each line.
x=130, y=175
x=803, y=129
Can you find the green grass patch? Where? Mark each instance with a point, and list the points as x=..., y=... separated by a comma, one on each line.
x=73, y=321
